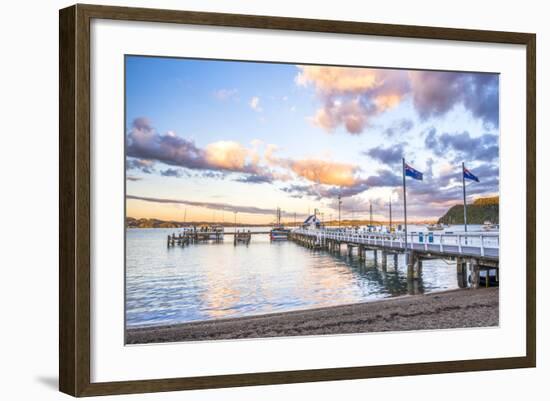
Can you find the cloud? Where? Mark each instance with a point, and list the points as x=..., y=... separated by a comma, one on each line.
x=463, y=146
x=325, y=172
x=399, y=127
x=255, y=179
x=226, y=94
x=255, y=104
x=143, y=165
x=172, y=172
x=213, y=205
x=435, y=93
x=314, y=170
x=389, y=155
x=133, y=178
x=145, y=143
x=352, y=97
x=352, y=114
x=218, y=175
x=383, y=178
x=435, y=194
x=231, y=156
x=360, y=206
x=333, y=80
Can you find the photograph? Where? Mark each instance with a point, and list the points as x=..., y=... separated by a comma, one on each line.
x=282, y=199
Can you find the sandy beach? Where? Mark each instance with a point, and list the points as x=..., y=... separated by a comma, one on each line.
x=443, y=310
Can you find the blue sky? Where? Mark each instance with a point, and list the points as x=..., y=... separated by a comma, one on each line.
x=207, y=138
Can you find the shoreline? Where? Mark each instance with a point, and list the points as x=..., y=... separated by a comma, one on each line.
x=462, y=308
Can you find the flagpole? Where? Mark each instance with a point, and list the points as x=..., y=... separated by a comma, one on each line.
x=405, y=204
x=370, y=209
x=464, y=195
x=390, y=214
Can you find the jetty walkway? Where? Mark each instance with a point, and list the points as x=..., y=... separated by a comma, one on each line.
x=473, y=252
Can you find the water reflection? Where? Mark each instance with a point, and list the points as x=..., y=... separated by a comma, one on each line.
x=209, y=281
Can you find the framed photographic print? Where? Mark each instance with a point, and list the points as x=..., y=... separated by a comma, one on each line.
x=250, y=200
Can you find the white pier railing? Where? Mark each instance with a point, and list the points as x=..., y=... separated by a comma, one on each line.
x=484, y=245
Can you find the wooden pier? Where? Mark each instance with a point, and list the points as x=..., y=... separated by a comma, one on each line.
x=242, y=237
x=194, y=237
x=472, y=252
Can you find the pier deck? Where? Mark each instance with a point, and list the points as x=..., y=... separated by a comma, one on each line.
x=473, y=252
x=480, y=245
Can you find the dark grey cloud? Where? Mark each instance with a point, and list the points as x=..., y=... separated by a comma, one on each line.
x=172, y=172
x=482, y=98
x=215, y=206
x=437, y=193
x=435, y=93
x=463, y=146
x=144, y=142
x=219, y=175
x=399, y=127
x=133, y=178
x=390, y=155
x=352, y=97
x=255, y=179
x=360, y=207
x=383, y=178
x=143, y=165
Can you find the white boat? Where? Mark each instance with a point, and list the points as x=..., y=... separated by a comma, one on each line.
x=435, y=227
x=489, y=226
x=279, y=232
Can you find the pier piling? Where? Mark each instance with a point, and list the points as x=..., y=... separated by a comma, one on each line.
x=461, y=273
x=469, y=260
x=384, y=260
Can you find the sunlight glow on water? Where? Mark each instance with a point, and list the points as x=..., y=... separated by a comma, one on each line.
x=219, y=280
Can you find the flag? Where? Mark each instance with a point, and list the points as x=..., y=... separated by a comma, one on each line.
x=468, y=175
x=411, y=172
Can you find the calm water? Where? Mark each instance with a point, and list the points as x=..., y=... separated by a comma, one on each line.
x=220, y=280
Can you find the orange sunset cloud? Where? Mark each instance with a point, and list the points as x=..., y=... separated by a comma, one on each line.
x=325, y=172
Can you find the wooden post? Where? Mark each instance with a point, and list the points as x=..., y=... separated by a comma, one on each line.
x=475, y=274
x=384, y=260
x=395, y=261
x=461, y=273
x=409, y=260
x=418, y=268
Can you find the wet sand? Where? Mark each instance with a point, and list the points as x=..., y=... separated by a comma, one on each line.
x=443, y=310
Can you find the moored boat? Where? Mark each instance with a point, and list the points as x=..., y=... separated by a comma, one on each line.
x=435, y=227
x=489, y=226
x=216, y=232
x=279, y=232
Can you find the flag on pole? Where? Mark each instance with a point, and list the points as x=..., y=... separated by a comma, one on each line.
x=411, y=172
x=468, y=175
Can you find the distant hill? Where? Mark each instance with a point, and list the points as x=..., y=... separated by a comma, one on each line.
x=132, y=222
x=483, y=209
x=150, y=223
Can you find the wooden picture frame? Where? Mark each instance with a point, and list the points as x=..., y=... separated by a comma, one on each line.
x=74, y=199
